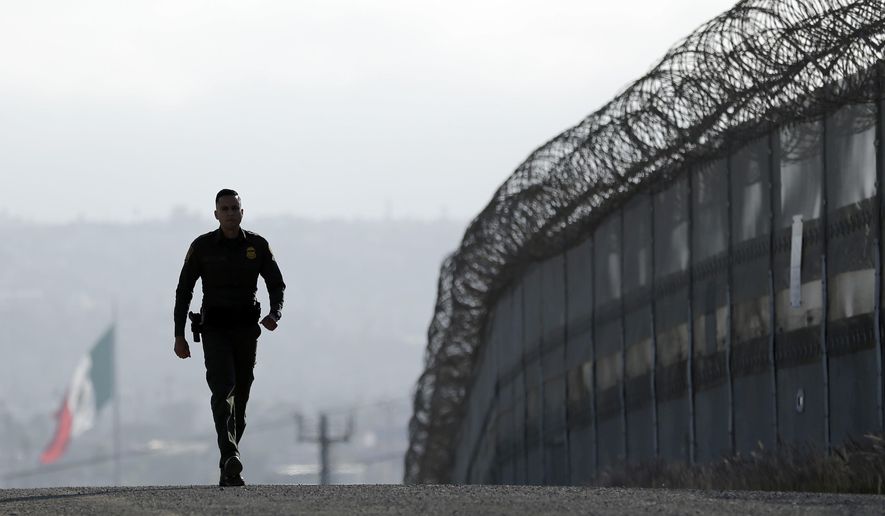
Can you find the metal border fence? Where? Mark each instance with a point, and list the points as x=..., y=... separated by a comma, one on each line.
x=563, y=334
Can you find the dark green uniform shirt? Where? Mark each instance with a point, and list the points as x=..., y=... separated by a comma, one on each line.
x=229, y=268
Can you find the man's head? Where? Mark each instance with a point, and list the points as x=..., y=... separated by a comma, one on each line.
x=228, y=209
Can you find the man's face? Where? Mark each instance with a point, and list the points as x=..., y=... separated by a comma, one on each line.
x=228, y=212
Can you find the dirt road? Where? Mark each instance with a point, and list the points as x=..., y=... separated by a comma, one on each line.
x=423, y=501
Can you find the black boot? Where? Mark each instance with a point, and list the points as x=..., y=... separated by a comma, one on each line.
x=230, y=473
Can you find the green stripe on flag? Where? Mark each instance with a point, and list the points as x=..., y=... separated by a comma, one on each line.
x=102, y=371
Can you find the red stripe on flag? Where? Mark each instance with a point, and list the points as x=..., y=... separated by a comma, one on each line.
x=62, y=435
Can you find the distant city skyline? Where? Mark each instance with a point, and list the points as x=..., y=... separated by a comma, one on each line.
x=325, y=110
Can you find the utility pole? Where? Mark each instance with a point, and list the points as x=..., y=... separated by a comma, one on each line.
x=323, y=438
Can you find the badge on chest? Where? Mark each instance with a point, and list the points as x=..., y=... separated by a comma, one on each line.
x=250, y=253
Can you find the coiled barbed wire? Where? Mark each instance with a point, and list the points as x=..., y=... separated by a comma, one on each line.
x=760, y=64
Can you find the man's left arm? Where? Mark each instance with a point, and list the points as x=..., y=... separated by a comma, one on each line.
x=273, y=278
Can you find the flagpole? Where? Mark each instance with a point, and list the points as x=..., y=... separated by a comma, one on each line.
x=116, y=394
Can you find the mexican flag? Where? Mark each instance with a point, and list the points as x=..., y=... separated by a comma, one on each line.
x=90, y=389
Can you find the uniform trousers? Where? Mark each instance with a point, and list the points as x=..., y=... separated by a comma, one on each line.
x=229, y=355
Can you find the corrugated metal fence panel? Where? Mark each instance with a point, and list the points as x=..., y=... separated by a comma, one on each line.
x=472, y=461
x=752, y=367
x=851, y=345
x=607, y=334
x=486, y=410
x=798, y=191
x=579, y=360
x=465, y=444
x=711, y=385
x=639, y=356
x=533, y=375
x=518, y=385
x=490, y=446
x=880, y=174
x=470, y=432
x=508, y=354
x=477, y=425
x=671, y=291
x=553, y=304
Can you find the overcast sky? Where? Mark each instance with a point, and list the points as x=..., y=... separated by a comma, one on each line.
x=119, y=111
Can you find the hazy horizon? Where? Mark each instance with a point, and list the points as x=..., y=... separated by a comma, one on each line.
x=179, y=212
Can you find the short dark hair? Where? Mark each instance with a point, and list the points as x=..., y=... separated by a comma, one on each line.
x=225, y=192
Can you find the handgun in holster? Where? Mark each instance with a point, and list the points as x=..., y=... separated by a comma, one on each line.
x=196, y=324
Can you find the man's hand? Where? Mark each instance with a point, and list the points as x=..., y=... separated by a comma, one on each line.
x=182, y=350
x=269, y=322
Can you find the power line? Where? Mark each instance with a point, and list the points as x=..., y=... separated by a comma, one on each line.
x=371, y=404
x=324, y=439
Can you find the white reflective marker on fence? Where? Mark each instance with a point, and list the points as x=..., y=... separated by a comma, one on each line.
x=796, y=263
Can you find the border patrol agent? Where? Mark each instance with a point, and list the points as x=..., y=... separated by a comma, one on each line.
x=228, y=260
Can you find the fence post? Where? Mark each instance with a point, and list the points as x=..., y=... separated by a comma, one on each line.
x=877, y=249
x=824, y=280
x=772, y=314
x=654, y=333
x=690, y=360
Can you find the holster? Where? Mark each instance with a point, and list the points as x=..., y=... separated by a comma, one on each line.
x=196, y=324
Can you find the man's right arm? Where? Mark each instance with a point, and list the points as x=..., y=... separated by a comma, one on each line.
x=184, y=292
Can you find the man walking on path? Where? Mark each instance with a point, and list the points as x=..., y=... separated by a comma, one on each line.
x=228, y=260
